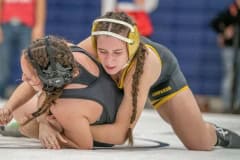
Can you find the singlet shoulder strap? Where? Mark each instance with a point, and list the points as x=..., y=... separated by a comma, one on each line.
x=79, y=49
x=85, y=77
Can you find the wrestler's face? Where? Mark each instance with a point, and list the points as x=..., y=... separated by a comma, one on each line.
x=29, y=75
x=112, y=53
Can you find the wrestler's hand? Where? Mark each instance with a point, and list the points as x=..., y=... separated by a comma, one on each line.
x=49, y=137
x=5, y=115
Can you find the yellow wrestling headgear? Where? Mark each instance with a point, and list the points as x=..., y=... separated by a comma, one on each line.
x=132, y=40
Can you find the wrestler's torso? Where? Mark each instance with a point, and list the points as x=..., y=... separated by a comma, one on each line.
x=100, y=89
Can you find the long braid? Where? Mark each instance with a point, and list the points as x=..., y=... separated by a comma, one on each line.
x=140, y=58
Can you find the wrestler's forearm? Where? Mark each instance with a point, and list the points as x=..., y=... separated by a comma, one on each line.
x=40, y=13
x=116, y=132
x=20, y=96
x=109, y=133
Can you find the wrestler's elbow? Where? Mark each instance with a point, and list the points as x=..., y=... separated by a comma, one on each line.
x=83, y=145
x=73, y=145
x=120, y=140
x=86, y=147
x=121, y=136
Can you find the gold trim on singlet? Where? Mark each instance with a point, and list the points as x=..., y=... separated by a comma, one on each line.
x=154, y=51
x=157, y=103
x=127, y=69
x=124, y=74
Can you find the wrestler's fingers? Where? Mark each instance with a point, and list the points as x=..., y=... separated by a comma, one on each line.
x=54, y=143
x=44, y=144
x=6, y=120
x=49, y=143
x=60, y=137
x=5, y=116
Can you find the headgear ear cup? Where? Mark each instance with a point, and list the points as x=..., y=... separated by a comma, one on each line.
x=132, y=47
x=93, y=38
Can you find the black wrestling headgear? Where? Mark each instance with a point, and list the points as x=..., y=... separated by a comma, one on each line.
x=54, y=75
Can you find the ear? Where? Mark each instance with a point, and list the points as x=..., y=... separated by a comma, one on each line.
x=37, y=80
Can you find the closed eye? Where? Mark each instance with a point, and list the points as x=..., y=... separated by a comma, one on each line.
x=117, y=53
x=102, y=51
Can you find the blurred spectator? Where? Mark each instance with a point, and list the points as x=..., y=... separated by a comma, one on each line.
x=138, y=9
x=226, y=24
x=21, y=21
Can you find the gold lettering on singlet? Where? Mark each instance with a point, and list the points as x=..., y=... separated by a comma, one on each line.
x=164, y=90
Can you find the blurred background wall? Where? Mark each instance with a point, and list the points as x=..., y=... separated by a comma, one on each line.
x=181, y=25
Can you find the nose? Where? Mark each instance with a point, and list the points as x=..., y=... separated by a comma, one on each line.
x=109, y=60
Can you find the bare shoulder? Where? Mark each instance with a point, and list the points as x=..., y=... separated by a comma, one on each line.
x=87, y=45
x=151, y=72
x=87, y=63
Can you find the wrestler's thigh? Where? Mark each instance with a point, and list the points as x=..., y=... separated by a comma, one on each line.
x=185, y=117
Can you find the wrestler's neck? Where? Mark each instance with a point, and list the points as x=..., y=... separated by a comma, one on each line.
x=116, y=77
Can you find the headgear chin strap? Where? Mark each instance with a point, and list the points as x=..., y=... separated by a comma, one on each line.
x=54, y=75
x=132, y=40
